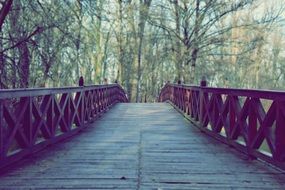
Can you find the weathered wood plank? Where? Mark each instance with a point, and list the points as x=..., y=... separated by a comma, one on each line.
x=141, y=146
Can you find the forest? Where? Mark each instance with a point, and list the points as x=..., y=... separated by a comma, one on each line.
x=142, y=44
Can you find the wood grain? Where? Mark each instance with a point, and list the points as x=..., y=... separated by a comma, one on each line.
x=141, y=146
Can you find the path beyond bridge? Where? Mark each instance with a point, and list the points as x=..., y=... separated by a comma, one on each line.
x=141, y=146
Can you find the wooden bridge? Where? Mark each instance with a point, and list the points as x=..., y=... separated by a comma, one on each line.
x=201, y=138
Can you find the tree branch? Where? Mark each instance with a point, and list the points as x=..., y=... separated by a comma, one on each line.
x=4, y=11
x=37, y=30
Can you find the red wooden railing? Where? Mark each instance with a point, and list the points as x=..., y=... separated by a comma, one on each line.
x=31, y=119
x=251, y=120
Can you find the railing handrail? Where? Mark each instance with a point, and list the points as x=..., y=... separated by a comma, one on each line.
x=33, y=118
x=254, y=115
x=20, y=92
x=264, y=93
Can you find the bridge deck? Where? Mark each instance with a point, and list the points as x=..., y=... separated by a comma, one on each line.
x=141, y=146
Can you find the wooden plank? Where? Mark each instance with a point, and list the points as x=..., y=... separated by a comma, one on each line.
x=141, y=146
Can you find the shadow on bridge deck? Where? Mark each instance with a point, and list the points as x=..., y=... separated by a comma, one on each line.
x=141, y=146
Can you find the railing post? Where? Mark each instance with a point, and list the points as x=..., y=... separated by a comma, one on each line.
x=1, y=130
x=81, y=81
x=51, y=116
x=203, y=83
x=81, y=102
x=82, y=107
x=27, y=122
x=279, y=133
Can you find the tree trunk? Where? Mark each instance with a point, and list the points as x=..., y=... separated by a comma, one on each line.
x=6, y=7
x=99, y=58
x=143, y=12
x=24, y=65
x=178, y=43
x=139, y=67
x=121, y=74
x=104, y=59
x=2, y=63
x=78, y=40
x=195, y=49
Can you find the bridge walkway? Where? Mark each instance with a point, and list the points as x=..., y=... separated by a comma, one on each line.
x=141, y=146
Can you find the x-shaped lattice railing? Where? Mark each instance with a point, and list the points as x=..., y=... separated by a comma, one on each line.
x=251, y=120
x=31, y=119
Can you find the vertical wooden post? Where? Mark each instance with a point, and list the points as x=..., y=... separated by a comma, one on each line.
x=252, y=127
x=203, y=83
x=96, y=102
x=28, y=121
x=231, y=116
x=100, y=100
x=81, y=105
x=1, y=130
x=51, y=116
x=66, y=111
x=279, y=133
x=81, y=81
